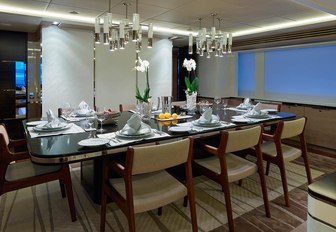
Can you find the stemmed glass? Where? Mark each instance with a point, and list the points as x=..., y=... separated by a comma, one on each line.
x=217, y=100
x=225, y=103
x=90, y=121
x=101, y=116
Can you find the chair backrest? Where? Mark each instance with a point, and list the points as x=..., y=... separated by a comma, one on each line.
x=4, y=132
x=293, y=128
x=158, y=157
x=242, y=139
x=126, y=107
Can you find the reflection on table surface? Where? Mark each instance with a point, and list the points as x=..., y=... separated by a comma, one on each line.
x=65, y=148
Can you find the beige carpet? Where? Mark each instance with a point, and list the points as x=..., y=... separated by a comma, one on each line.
x=41, y=208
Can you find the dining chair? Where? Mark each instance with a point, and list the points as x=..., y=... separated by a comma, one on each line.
x=276, y=152
x=224, y=167
x=144, y=184
x=17, y=175
x=13, y=144
x=123, y=107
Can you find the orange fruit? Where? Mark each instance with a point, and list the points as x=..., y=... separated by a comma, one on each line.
x=161, y=116
x=174, y=115
x=167, y=115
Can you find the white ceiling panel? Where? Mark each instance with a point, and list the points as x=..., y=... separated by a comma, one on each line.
x=237, y=15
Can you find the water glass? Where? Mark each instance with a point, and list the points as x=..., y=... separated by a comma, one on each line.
x=101, y=116
x=225, y=103
x=217, y=100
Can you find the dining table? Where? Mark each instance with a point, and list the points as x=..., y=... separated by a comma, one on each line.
x=66, y=147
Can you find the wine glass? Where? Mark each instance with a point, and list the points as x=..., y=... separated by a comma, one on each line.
x=101, y=116
x=217, y=100
x=225, y=103
x=90, y=121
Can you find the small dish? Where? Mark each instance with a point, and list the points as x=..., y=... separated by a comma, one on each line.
x=135, y=136
x=240, y=120
x=271, y=111
x=93, y=142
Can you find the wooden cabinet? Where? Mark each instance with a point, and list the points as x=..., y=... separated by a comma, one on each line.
x=321, y=124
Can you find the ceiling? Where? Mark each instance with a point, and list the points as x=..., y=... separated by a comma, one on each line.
x=236, y=15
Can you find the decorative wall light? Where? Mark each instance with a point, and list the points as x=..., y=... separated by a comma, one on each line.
x=118, y=35
x=215, y=41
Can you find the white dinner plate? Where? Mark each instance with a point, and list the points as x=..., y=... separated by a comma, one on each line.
x=261, y=116
x=135, y=136
x=271, y=111
x=179, y=129
x=93, y=142
x=242, y=120
x=196, y=123
x=35, y=123
x=65, y=126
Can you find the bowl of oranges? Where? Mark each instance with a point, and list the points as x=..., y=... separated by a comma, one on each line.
x=167, y=116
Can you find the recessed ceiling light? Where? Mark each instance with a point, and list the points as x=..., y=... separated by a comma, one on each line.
x=56, y=23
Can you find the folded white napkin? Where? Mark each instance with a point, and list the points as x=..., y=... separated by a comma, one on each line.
x=134, y=126
x=245, y=104
x=53, y=122
x=84, y=109
x=257, y=110
x=208, y=117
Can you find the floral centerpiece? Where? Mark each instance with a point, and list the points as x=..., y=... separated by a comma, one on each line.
x=191, y=91
x=142, y=66
x=190, y=65
x=144, y=106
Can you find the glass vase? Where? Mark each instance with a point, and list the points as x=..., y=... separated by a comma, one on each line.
x=144, y=109
x=191, y=101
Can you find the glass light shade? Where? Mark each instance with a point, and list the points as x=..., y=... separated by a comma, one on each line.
x=230, y=38
x=122, y=30
x=150, y=43
x=190, y=44
x=136, y=22
x=150, y=30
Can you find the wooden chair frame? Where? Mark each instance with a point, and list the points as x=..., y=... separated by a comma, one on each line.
x=126, y=205
x=279, y=160
x=63, y=175
x=223, y=178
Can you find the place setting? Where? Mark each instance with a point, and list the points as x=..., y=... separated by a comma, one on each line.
x=133, y=130
x=53, y=126
x=256, y=114
x=80, y=113
x=207, y=121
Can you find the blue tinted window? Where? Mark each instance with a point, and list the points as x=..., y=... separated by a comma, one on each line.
x=246, y=74
x=301, y=74
x=20, y=73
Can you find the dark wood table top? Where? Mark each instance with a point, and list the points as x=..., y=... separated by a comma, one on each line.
x=65, y=148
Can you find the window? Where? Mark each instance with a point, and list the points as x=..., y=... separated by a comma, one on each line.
x=246, y=74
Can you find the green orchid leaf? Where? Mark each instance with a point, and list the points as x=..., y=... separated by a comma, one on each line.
x=187, y=82
x=194, y=84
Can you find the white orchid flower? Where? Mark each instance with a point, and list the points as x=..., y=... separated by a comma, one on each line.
x=142, y=65
x=189, y=64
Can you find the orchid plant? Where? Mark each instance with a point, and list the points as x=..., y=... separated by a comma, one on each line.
x=142, y=66
x=190, y=65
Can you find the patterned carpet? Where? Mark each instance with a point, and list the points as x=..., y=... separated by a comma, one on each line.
x=41, y=208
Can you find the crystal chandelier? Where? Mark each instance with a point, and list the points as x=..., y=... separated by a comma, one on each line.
x=118, y=35
x=215, y=41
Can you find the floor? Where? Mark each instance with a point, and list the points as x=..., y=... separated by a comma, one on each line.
x=284, y=219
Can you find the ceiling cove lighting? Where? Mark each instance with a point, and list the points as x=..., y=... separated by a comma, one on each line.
x=118, y=35
x=213, y=42
x=89, y=20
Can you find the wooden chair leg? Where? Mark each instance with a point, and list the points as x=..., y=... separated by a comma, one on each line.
x=306, y=162
x=192, y=206
x=264, y=191
x=103, y=211
x=61, y=182
x=240, y=182
x=267, y=168
x=68, y=186
x=185, y=201
x=160, y=211
x=131, y=221
x=284, y=182
x=228, y=207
